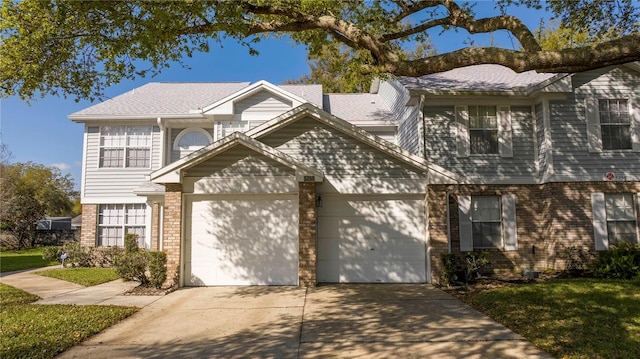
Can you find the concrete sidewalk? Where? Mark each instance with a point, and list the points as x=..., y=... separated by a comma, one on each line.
x=56, y=291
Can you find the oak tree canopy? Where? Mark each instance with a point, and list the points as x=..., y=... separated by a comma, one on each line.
x=79, y=48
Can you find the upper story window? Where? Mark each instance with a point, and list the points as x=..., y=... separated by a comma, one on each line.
x=125, y=146
x=612, y=124
x=615, y=124
x=483, y=130
x=190, y=140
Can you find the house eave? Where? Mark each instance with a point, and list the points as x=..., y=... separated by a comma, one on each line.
x=110, y=117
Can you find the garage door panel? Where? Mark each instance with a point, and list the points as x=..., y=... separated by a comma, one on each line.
x=386, y=272
x=365, y=227
x=243, y=240
x=371, y=239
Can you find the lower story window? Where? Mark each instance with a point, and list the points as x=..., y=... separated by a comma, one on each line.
x=116, y=220
x=621, y=218
x=486, y=221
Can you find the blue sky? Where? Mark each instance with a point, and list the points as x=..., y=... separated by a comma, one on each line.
x=41, y=133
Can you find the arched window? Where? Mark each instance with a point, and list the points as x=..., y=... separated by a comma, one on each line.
x=191, y=139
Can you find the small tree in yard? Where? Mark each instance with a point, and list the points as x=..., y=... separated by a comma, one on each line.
x=133, y=264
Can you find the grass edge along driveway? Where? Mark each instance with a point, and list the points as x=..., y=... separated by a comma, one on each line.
x=43, y=331
x=579, y=318
x=23, y=259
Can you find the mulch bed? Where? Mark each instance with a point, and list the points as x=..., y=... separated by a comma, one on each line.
x=147, y=290
x=498, y=281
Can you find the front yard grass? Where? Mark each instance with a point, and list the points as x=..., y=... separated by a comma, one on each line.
x=83, y=276
x=23, y=259
x=578, y=318
x=42, y=331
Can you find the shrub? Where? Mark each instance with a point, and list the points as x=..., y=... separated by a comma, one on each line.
x=474, y=262
x=577, y=259
x=133, y=266
x=157, y=268
x=107, y=256
x=619, y=261
x=450, y=264
x=131, y=243
x=51, y=253
x=78, y=256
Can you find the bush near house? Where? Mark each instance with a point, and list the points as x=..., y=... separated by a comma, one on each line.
x=470, y=266
x=135, y=264
x=619, y=261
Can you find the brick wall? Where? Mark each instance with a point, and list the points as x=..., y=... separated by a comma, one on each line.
x=88, y=231
x=307, y=246
x=155, y=226
x=172, y=232
x=550, y=218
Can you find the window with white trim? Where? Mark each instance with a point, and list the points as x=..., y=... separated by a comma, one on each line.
x=483, y=130
x=621, y=218
x=487, y=221
x=125, y=146
x=116, y=220
x=615, y=124
x=190, y=140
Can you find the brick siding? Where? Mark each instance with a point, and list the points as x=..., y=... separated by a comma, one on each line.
x=89, y=226
x=172, y=232
x=307, y=245
x=550, y=218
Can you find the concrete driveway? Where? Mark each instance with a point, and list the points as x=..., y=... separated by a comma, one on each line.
x=347, y=321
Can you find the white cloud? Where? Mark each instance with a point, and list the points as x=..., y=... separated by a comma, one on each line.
x=61, y=166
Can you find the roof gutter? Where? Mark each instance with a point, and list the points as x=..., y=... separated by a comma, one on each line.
x=91, y=118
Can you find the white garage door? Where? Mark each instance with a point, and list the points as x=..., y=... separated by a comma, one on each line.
x=242, y=240
x=371, y=239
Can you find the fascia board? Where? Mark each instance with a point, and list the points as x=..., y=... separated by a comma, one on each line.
x=96, y=118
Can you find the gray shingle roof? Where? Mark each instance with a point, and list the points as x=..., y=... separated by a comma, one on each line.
x=477, y=78
x=176, y=98
x=358, y=107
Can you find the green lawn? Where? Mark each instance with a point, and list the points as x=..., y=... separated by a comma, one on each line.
x=583, y=318
x=83, y=276
x=42, y=331
x=23, y=259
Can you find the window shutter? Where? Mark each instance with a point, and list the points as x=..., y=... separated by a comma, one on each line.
x=634, y=111
x=462, y=131
x=465, y=225
x=593, y=124
x=509, y=222
x=600, y=234
x=505, y=134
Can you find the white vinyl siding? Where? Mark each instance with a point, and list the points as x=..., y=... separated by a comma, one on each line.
x=445, y=146
x=105, y=184
x=116, y=220
x=487, y=222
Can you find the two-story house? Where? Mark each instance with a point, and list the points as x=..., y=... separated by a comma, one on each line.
x=245, y=183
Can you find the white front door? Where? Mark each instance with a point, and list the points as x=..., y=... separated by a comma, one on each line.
x=372, y=238
x=241, y=240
